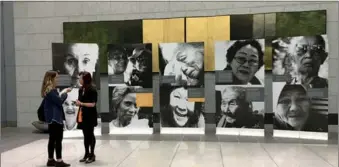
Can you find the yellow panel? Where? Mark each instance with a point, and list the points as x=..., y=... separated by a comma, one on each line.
x=208, y=30
x=196, y=99
x=174, y=30
x=144, y=99
x=160, y=31
x=152, y=31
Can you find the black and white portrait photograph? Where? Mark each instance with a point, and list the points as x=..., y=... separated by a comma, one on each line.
x=127, y=113
x=132, y=63
x=302, y=60
x=177, y=111
x=234, y=110
x=183, y=62
x=294, y=109
x=71, y=112
x=244, y=59
x=70, y=109
x=71, y=59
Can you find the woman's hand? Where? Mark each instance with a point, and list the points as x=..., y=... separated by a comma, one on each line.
x=68, y=90
x=78, y=103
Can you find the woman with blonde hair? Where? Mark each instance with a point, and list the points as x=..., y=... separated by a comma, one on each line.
x=54, y=116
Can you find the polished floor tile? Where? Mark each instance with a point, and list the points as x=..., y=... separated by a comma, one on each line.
x=292, y=155
x=197, y=154
x=170, y=153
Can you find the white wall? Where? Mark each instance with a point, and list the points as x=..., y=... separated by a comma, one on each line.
x=38, y=24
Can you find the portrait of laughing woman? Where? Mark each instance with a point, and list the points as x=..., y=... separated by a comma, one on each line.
x=177, y=111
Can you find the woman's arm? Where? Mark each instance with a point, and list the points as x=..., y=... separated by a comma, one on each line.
x=63, y=97
x=87, y=104
x=54, y=97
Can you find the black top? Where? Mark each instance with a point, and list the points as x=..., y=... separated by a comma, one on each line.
x=89, y=114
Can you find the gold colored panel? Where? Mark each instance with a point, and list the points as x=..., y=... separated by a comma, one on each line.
x=196, y=99
x=208, y=30
x=152, y=32
x=144, y=100
x=161, y=31
x=174, y=30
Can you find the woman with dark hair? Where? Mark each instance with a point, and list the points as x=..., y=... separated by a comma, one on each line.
x=87, y=115
x=177, y=111
x=54, y=116
x=244, y=59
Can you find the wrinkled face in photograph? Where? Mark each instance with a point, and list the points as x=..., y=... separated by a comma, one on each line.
x=81, y=57
x=293, y=108
x=127, y=108
x=187, y=65
x=180, y=107
x=142, y=59
x=70, y=109
x=233, y=104
x=306, y=54
x=117, y=62
x=245, y=63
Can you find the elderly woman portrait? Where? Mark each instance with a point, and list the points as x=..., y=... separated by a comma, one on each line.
x=302, y=60
x=183, y=61
x=124, y=105
x=243, y=58
x=294, y=111
x=71, y=59
x=70, y=109
x=177, y=111
x=236, y=111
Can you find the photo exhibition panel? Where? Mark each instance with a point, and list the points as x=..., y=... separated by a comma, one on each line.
x=70, y=60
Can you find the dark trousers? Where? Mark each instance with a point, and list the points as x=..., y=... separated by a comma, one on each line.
x=89, y=139
x=55, y=140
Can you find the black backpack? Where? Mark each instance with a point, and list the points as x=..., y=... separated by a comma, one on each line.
x=41, y=113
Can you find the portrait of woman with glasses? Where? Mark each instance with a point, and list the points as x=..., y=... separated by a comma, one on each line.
x=244, y=59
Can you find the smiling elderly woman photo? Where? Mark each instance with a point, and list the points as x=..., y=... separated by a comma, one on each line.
x=294, y=111
x=177, y=111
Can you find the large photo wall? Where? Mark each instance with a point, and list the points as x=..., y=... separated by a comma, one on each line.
x=69, y=59
x=130, y=88
x=239, y=86
x=182, y=86
x=286, y=51
x=300, y=84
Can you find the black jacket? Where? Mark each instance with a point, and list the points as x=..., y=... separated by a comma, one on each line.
x=89, y=114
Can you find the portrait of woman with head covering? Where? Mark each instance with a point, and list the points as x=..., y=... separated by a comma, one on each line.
x=294, y=110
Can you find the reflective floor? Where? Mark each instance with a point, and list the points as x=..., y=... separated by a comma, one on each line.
x=193, y=151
